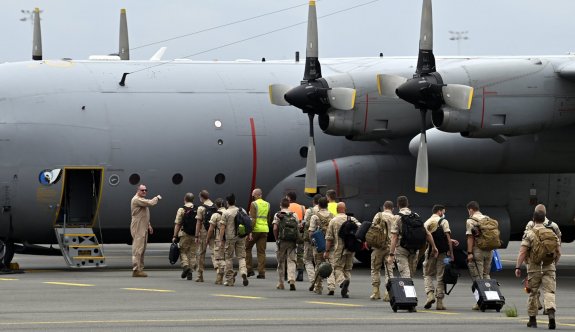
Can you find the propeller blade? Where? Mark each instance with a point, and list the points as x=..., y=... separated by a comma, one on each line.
x=387, y=84
x=458, y=96
x=421, y=175
x=37, y=40
x=159, y=54
x=426, y=59
x=124, y=49
x=341, y=98
x=277, y=93
x=312, y=65
x=311, y=165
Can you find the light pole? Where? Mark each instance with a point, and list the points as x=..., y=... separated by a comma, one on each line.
x=29, y=16
x=458, y=36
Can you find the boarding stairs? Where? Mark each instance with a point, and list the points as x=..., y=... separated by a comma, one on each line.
x=80, y=247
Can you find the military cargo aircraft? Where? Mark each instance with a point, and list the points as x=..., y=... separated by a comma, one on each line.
x=78, y=136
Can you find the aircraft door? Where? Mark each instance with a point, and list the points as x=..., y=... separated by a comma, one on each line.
x=80, y=199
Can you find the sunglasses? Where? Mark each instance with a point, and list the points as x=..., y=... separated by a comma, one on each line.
x=143, y=189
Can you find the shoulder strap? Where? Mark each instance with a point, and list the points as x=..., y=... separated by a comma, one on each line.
x=439, y=223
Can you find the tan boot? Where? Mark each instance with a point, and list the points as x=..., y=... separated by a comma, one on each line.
x=430, y=300
x=139, y=274
x=375, y=294
x=200, y=277
x=439, y=305
x=219, y=278
x=386, y=297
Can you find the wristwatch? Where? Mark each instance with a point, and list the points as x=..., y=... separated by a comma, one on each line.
x=470, y=253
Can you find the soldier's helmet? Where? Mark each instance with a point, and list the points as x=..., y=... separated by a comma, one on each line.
x=324, y=269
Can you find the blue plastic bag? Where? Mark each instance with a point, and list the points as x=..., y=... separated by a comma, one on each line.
x=318, y=240
x=496, y=262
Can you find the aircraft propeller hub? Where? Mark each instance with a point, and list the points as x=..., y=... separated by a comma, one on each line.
x=310, y=97
x=423, y=92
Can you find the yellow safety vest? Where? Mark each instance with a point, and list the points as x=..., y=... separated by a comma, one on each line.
x=263, y=208
x=332, y=207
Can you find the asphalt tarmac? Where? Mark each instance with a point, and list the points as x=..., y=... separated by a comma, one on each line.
x=51, y=297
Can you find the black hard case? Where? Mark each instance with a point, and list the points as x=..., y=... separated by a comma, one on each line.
x=397, y=297
x=485, y=302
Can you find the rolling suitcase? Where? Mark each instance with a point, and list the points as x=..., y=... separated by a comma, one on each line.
x=402, y=294
x=487, y=294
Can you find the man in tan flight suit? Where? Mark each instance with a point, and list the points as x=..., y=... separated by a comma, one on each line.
x=139, y=228
x=286, y=250
x=320, y=220
x=214, y=232
x=299, y=210
x=539, y=276
x=234, y=245
x=478, y=261
x=202, y=235
x=341, y=258
x=434, y=266
x=379, y=255
x=259, y=212
x=307, y=246
x=546, y=223
x=187, y=241
x=406, y=259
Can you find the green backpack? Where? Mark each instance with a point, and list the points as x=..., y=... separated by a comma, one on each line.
x=487, y=234
x=376, y=236
x=288, y=227
x=544, y=247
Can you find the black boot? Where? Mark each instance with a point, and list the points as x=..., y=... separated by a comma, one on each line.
x=551, y=313
x=299, y=275
x=532, y=322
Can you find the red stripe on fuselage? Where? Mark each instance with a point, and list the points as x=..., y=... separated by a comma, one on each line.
x=254, y=158
x=483, y=106
x=336, y=176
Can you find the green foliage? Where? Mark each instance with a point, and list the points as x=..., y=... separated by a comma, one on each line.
x=510, y=311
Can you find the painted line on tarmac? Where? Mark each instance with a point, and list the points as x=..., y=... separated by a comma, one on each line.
x=8, y=279
x=150, y=290
x=438, y=312
x=267, y=319
x=67, y=284
x=335, y=303
x=240, y=296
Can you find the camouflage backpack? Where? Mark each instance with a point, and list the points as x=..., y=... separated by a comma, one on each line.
x=376, y=236
x=324, y=222
x=288, y=228
x=487, y=233
x=544, y=246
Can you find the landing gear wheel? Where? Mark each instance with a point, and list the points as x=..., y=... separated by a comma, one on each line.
x=2, y=254
x=8, y=253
